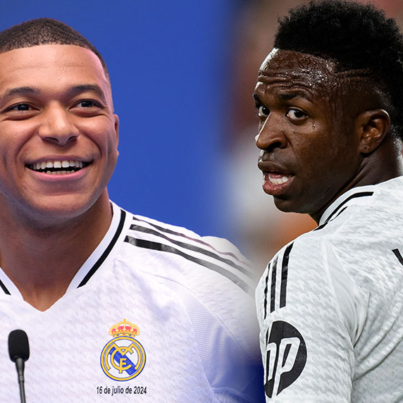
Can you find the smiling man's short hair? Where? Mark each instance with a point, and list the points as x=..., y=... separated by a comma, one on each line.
x=44, y=31
x=354, y=37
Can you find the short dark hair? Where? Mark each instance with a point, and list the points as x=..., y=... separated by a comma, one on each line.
x=44, y=31
x=355, y=37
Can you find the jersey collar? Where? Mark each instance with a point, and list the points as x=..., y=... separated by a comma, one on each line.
x=352, y=196
x=105, y=250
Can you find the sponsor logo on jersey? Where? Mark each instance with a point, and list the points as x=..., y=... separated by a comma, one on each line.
x=286, y=356
x=123, y=358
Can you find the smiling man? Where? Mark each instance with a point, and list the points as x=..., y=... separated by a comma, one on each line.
x=330, y=304
x=112, y=303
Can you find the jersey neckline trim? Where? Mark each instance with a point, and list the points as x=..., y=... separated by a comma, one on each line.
x=4, y=288
x=336, y=208
x=102, y=251
x=92, y=264
x=107, y=251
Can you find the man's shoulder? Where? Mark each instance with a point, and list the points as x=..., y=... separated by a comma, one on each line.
x=178, y=254
x=362, y=207
x=361, y=233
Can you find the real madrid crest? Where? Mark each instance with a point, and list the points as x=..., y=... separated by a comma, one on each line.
x=123, y=358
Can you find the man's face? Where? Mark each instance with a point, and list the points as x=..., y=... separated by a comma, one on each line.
x=58, y=133
x=309, y=152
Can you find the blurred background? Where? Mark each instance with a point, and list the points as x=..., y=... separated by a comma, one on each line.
x=182, y=74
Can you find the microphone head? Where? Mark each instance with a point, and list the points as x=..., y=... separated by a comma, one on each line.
x=18, y=346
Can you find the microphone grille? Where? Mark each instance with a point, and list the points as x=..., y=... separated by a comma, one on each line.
x=18, y=346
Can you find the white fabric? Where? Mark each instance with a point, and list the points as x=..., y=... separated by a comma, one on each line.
x=195, y=323
x=342, y=298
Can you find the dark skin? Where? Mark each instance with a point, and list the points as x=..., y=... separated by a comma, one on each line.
x=321, y=133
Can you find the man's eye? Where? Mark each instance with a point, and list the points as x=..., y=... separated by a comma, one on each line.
x=87, y=104
x=20, y=107
x=296, y=114
x=262, y=111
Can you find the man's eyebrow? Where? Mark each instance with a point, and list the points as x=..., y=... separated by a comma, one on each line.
x=20, y=90
x=296, y=94
x=77, y=89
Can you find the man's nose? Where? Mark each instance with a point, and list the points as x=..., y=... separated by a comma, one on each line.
x=57, y=126
x=271, y=134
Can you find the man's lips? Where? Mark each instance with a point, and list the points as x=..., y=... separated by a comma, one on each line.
x=276, y=184
x=277, y=169
x=276, y=177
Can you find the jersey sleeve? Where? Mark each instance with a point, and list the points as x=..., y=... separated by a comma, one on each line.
x=307, y=325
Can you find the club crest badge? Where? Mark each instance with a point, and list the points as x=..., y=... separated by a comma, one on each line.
x=123, y=358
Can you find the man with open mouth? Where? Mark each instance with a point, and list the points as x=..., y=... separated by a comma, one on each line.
x=113, y=304
x=330, y=303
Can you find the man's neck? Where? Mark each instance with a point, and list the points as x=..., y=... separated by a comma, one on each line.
x=384, y=164
x=42, y=263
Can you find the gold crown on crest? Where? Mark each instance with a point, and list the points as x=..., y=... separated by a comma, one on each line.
x=124, y=328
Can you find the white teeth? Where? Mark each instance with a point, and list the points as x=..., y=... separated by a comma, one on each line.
x=56, y=164
x=279, y=180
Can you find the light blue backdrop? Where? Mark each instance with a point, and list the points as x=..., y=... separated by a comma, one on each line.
x=168, y=62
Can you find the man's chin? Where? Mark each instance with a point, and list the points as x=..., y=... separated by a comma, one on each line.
x=286, y=205
x=291, y=205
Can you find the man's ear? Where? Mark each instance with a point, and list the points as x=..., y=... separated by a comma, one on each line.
x=116, y=117
x=372, y=127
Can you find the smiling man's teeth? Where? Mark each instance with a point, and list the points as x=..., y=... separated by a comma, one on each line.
x=56, y=167
x=277, y=179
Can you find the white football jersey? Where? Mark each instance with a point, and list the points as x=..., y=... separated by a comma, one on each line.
x=156, y=314
x=330, y=305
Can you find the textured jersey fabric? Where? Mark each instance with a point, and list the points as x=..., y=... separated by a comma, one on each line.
x=156, y=314
x=330, y=305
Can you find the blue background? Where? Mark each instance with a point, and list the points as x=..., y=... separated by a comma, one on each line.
x=168, y=62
